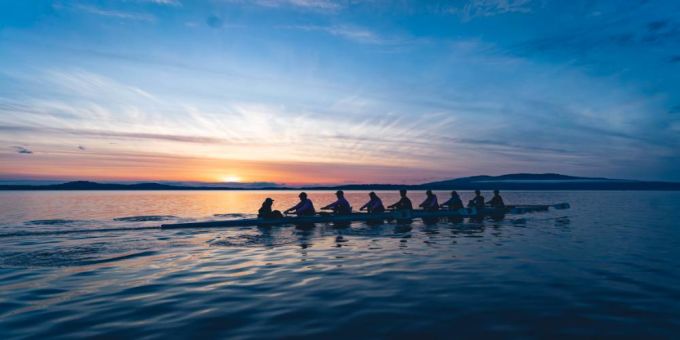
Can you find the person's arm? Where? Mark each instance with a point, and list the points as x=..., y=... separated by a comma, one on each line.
x=297, y=206
x=365, y=206
x=332, y=205
x=446, y=203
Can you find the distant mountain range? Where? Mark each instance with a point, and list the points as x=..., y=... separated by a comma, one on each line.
x=504, y=182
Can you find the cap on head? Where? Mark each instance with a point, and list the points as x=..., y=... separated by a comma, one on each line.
x=340, y=193
x=478, y=192
x=454, y=193
x=372, y=194
x=303, y=195
x=268, y=199
x=402, y=192
x=428, y=192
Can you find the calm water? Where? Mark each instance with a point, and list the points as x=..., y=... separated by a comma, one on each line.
x=82, y=264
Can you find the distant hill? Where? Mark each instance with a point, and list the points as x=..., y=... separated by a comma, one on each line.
x=549, y=181
x=522, y=181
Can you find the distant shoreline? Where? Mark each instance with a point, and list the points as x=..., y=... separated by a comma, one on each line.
x=528, y=182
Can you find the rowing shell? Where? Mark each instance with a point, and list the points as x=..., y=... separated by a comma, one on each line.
x=403, y=215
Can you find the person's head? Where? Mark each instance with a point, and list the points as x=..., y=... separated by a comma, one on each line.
x=429, y=193
x=496, y=192
x=402, y=192
x=303, y=196
x=372, y=194
x=268, y=201
x=340, y=194
x=477, y=192
x=454, y=193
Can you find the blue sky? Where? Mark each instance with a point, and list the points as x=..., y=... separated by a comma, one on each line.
x=315, y=91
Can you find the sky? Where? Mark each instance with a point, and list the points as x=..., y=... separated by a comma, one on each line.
x=332, y=92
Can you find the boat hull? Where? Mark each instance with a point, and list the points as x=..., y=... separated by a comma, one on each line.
x=403, y=215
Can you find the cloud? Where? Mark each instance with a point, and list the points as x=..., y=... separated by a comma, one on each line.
x=22, y=150
x=115, y=13
x=115, y=135
x=351, y=33
x=165, y=2
x=318, y=5
x=486, y=8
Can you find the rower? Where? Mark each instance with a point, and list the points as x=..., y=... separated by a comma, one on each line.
x=304, y=208
x=375, y=205
x=496, y=201
x=430, y=203
x=340, y=206
x=454, y=203
x=478, y=201
x=404, y=203
x=266, y=210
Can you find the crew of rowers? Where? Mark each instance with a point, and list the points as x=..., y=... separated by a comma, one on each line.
x=342, y=207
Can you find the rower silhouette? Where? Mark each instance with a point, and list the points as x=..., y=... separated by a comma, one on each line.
x=374, y=205
x=430, y=203
x=304, y=208
x=403, y=204
x=496, y=201
x=340, y=206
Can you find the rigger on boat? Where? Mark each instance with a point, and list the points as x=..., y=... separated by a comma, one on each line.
x=341, y=211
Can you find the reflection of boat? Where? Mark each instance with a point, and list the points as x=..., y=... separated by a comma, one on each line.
x=403, y=215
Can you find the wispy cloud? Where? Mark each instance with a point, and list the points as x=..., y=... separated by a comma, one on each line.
x=349, y=32
x=486, y=8
x=118, y=14
x=318, y=5
x=164, y=2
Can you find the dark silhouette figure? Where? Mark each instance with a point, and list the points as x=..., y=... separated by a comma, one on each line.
x=430, y=203
x=304, y=208
x=496, y=201
x=340, y=206
x=478, y=201
x=375, y=205
x=404, y=203
x=454, y=203
x=266, y=210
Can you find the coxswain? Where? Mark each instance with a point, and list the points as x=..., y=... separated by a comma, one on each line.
x=266, y=210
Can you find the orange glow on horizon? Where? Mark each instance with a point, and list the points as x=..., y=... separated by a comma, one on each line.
x=149, y=167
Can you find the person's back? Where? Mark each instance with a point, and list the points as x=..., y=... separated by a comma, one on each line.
x=404, y=203
x=430, y=203
x=374, y=205
x=496, y=201
x=304, y=208
x=454, y=203
x=341, y=205
x=478, y=201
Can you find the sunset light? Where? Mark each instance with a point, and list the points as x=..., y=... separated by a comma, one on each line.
x=231, y=179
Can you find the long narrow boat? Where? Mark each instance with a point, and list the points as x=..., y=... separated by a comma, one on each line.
x=403, y=215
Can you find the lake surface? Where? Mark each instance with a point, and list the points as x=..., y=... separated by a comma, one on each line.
x=94, y=264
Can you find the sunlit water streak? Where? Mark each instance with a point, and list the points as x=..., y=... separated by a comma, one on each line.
x=79, y=264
